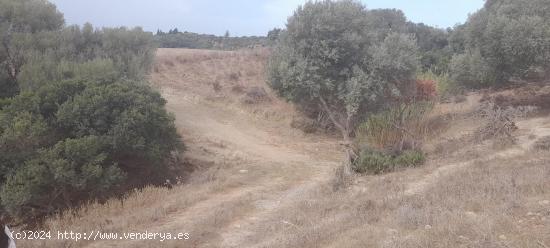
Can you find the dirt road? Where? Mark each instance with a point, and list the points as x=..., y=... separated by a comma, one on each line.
x=271, y=164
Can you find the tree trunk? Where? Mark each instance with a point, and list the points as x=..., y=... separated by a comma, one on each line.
x=349, y=155
x=345, y=128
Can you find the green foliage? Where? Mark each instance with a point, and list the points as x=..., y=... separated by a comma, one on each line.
x=92, y=132
x=77, y=120
x=434, y=47
x=87, y=53
x=471, y=70
x=393, y=138
x=505, y=39
x=410, y=158
x=30, y=15
x=130, y=116
x=382, y=22
x=20, y=23
x=375, y=162
x=339, y=59
x=395, y=62
x=72, y=170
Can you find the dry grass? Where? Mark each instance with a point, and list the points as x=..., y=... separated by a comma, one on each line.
x=404, y=127
x=486, y=205
x=136, y=211
x=234, y=74
x=494, y=204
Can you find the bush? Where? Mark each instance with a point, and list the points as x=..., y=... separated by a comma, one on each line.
x=74, y=141
x=471, y=70
x=397, y=129
x=393, y=138
x=72, y=171
x=410, y=158
x=376, y=162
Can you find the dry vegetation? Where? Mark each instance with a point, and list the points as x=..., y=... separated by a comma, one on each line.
x=260, y=183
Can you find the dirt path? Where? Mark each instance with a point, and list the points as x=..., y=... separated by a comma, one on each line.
x=269, y=149
x=529, y=132
x=271, y=165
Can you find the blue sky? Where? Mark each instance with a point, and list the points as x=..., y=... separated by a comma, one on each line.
x=240, y=17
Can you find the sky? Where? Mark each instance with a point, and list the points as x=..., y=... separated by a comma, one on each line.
x=239, y=17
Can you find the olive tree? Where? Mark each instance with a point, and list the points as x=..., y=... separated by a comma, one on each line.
x=20, y=22
x=509, y=37
x=331, y=59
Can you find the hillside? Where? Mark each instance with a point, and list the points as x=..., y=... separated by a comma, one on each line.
x=257, y=182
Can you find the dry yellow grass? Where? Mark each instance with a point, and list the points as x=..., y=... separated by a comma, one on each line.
x=259, y=183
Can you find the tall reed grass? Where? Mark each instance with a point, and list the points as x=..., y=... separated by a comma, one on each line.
x=403, y=127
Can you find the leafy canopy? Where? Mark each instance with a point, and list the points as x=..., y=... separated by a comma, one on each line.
x=507, y=38
x=78, y=121
x=339, y=59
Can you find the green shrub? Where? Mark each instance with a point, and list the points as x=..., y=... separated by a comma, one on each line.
x=472, y=70
x=78, y=121
x=73, y=141
x=71, y=171
x=376, y=162
x=410, y=158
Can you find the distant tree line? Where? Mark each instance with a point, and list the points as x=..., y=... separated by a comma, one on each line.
x=176, y=39
x=78, y=120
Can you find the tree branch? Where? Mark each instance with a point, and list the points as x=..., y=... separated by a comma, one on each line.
x=330, y=114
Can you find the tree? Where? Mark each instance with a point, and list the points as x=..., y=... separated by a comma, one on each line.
x=434, y=46
x=226, y=35
x=20, y=23
x=471, y=70
x=511, y=37
x=336, y=60
x=382, y=22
